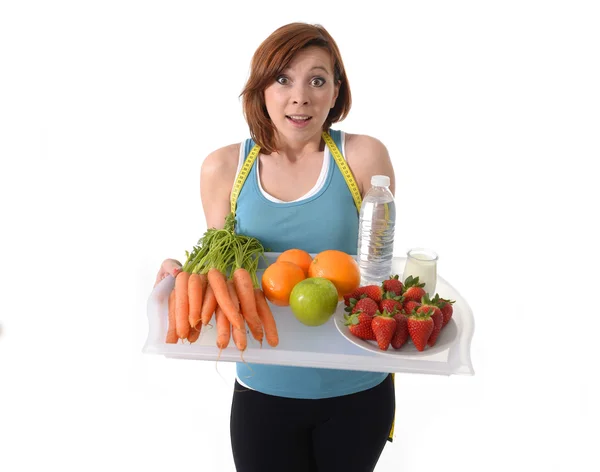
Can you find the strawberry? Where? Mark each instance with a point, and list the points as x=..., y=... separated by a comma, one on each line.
x=401, y=334
x=413, y=290
x=414, y=293
x=420, y=327
x=384, y=326
x=359, y=325
x=392, y=285
x=365, y=305
x=354, y=295
x=392, y=305
x=447, y=310
x=374, y=292
x=409, y=306
x=436, y=315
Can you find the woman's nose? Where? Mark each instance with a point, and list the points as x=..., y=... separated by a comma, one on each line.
x=300, y=95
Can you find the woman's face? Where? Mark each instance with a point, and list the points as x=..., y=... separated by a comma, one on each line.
x=299, y=100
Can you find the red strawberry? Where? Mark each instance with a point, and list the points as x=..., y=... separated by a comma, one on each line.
x=413, y=290
x=384, y=326
x=359, y=325
x=354, y=295
x=447, y=310
x=409, y=306
x=414, y=293
x=436, y=315
x=401, y=334
x=374, y=292
x=392, y=285
x=390, y=303
x=420, y=327
x=365, y=305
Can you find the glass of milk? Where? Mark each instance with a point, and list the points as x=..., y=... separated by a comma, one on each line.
x=422, y=263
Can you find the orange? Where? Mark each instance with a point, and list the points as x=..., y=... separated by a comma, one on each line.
x=297, y=256
x=279, y=279
x=339, y=267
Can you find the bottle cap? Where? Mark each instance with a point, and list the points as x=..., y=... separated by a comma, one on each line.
x=380, y=181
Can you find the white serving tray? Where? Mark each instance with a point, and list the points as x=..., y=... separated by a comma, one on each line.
x=321, y=346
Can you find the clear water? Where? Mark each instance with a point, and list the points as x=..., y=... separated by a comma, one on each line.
x=376, y=236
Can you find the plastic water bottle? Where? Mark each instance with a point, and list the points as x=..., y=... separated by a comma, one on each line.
x=376, y=232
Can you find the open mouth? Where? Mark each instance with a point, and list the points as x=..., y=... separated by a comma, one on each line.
x=299, y=119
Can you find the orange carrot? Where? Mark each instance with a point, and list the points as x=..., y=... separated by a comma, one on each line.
x=266, y=317
x=232, y=293
x=240, y=338
x=223, y=328
x=194, y=334
x=171, y=331
x=182, y=305
x=195, y=294
x=245, y=292
x=219, y=285
x=239, y=335
x=209, y=305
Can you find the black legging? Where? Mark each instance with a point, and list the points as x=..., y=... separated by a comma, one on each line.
x=276, y=434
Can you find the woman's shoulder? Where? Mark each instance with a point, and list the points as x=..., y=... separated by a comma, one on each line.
x=363, y=143
x=222, y=162
x=224, y=156
x=367, y=156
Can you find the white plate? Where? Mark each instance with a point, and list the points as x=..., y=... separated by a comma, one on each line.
x=446, y=338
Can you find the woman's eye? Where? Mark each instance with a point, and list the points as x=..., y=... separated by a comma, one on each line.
x=282, y=80
x=317, y=82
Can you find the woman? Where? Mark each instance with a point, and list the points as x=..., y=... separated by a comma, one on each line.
x=294, y=418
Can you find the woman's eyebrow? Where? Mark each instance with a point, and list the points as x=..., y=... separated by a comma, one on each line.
x=320, y=67
x=323, y=68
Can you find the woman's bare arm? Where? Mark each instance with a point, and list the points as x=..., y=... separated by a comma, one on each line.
x=216, y=181
x=367, y=156
x=217, y=175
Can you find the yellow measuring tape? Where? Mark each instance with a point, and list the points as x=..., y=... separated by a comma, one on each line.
x=348, y=177
x=241, y=178
x=345, y=170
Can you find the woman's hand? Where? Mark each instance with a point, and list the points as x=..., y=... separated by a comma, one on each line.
x=168, y=267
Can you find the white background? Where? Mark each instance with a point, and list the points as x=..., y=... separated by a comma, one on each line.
x=490, y=111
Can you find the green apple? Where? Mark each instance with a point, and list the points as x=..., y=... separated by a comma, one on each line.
x=314, y=300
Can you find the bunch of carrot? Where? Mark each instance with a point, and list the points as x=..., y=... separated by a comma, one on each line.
x=219, y=278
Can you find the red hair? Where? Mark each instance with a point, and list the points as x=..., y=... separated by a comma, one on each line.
x=270, y=59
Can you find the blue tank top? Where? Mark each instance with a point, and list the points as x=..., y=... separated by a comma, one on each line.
x=326, y=220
